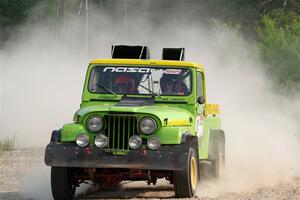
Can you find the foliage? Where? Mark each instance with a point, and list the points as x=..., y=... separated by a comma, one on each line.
x=248, y=13
x=7, y=144
x=279, y=41
x=16, y=12
x=12, y=12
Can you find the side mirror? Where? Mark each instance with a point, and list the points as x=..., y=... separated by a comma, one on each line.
x=201, y=100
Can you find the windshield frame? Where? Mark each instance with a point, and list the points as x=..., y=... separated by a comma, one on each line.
x=143, y=66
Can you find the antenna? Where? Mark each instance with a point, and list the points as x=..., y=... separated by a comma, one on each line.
x=87, y=25
x=125, y=20
x=79, y=13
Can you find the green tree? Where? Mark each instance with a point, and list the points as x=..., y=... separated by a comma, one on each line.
x=12, y=13
x=279, y=41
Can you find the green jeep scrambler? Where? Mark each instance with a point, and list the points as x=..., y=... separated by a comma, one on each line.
x=139, y=119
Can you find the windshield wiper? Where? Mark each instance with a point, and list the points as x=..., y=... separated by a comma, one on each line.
x=105, y=88
x=153, y=93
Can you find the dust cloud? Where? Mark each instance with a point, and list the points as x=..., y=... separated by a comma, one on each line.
x=37, y=185
x=262, y=133
x=43, y=69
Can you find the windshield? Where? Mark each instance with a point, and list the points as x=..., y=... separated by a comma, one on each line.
x=163, y=81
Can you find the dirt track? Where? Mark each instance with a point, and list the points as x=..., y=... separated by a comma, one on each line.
x=21, y=178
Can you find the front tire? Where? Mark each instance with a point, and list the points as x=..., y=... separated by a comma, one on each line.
x=186, y=181
x=61, y=183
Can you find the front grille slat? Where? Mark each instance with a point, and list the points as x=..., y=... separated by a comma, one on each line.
x=114, y=132
x=107, y=127
x=119, y=129
x=133, y=128
x=123, y=135
x=128, y=136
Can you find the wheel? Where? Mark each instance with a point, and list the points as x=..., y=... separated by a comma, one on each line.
x=61, y=183
x=217, y=155
x=186, y=181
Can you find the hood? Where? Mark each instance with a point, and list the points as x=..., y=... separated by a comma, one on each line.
x=168, y=115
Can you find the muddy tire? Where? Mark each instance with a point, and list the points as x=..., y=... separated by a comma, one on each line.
x=61, y=183
x=217, y=154
x=186, y=181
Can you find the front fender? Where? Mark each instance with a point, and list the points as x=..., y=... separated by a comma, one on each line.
x=70, y=131
x=172, y=135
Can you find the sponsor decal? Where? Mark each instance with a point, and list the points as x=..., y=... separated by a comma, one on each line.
x=142, y=70
x=128, y=69
x=199, y=125
x=172, y=71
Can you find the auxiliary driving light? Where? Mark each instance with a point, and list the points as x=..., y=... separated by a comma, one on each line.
x=95, y=123
x=153, y=143
x=135, y=142
x=147, y=125
x=82, y=140
x=101, y=141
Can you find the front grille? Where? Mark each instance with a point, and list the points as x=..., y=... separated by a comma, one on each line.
x=119, y=129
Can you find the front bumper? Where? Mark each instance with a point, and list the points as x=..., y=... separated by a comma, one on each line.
x=171, y=157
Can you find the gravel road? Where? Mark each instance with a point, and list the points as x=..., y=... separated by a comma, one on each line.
x=23, y=176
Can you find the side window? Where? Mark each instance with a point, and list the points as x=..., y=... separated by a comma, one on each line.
x=200, y=90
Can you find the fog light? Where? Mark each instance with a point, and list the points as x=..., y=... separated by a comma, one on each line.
x=135, y=142
x=82, y=140
x=153, y=143
x=101, y=141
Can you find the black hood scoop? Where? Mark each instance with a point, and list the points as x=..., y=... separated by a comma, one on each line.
x=135, y=101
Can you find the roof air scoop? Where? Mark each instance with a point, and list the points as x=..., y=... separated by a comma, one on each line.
x=130, y=52
x=173, y=54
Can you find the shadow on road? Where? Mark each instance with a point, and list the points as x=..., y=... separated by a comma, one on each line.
x=10, y=196
x=137, y=190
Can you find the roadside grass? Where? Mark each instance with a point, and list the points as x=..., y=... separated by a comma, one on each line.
x=7, y=144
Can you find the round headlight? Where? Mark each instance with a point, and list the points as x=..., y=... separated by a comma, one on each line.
x=95, y=124
x=101, y=141
x=82, y=140
x=135, y=142
x=147, y=126
x=153, y=143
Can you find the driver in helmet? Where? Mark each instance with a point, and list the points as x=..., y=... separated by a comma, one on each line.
x=124, y=85
x=167, y=85
x=171, y=85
